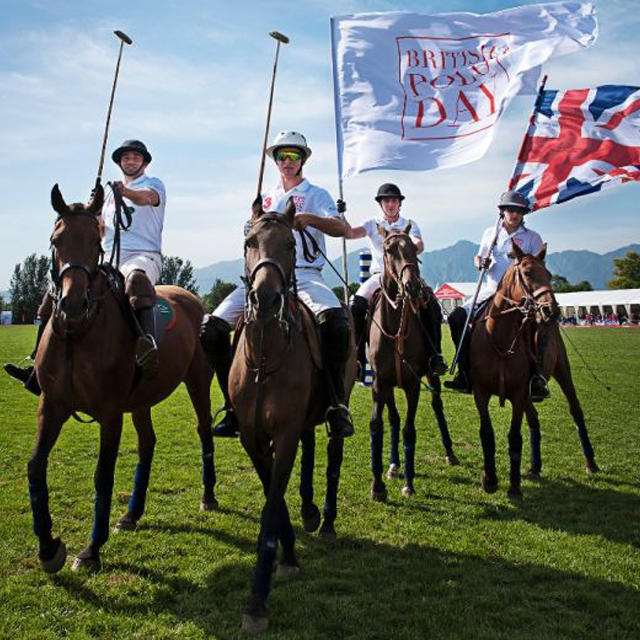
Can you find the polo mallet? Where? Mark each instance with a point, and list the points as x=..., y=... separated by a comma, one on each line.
x=124, y=38
x=280, y=38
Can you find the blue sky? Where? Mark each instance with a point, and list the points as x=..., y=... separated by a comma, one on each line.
x=194, y=86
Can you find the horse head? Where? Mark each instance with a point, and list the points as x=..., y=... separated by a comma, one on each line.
x=270, y=255
x=532, y=285
x=401, y=262
x=75, y=253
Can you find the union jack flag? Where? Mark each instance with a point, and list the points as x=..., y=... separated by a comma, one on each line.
x=578, y=142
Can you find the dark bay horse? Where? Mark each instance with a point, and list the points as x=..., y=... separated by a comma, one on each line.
x=399, y=353
x=522, y=313
x=85, y=362
x=279, y=394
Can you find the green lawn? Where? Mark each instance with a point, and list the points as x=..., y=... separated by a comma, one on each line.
x=451, y=562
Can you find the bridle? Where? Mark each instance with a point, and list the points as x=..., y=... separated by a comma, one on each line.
x=395, y=277
x=288, y=283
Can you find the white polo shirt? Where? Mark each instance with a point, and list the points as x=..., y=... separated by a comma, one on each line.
x=377, y=241
x=145, y=232
x=501, y=258
x=308, y=199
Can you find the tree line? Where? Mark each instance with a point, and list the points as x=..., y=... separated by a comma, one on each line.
x=30, y=281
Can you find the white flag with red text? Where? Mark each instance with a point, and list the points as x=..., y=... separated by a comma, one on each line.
x=420, y=92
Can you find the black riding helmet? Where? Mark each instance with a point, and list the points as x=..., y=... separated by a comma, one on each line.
x=514, y=200
x=131, y=145
x=389, y=190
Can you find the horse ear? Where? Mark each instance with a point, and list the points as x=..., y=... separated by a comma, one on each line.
x=517, y=252
x=256, y=208
x=97, y=200
x=290, y=211
x=57, y=201
x=381, y=231
x=407, y=229
x=542, y=254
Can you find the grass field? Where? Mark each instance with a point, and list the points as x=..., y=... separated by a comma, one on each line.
x=451, y=562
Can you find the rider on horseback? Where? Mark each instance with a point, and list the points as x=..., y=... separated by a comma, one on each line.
x=513, y=207
x=140, y=258
x=390, y=200
x=316, y=215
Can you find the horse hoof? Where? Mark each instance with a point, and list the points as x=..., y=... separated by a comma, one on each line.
x=310, y=518
x=54, y=564
x=394, y=471
x=379, y=496
x=209, y=505
x=126, y=523
x=514, y=494
x=489, y=487
x=452, y=460
x=328, y=532
x=286, y=571
x=592, y=467
x=533, y=475
x=88, y=565
x=408, y=491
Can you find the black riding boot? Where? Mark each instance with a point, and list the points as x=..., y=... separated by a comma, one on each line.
x=431, y=318
x=334, y=335
x=538, y=388
x=462, y=380
x=214, y=337
x=146, y=348
x=27, y=375
x=359, y=308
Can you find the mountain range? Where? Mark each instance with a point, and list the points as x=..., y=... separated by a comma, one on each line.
x=452, y=264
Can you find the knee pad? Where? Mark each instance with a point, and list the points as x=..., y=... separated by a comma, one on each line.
x=214, y=337
x=335, y=333
x=139, y=290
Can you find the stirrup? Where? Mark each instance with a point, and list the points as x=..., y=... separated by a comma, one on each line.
x=146, y=352
x=438, y=365
x=543, y=392
x=228, y=426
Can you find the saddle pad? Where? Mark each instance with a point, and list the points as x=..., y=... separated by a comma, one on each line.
x=165, y=317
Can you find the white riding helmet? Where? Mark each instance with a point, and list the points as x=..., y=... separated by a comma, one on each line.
x=290, y=139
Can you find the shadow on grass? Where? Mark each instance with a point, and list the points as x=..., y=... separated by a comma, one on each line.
x=357, y=588
x=579, y=509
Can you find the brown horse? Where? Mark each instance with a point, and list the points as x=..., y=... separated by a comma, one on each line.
x=522, y=313
x=399, y=351
x=279, y=394
x=85, y=362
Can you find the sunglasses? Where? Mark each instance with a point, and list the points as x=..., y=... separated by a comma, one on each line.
x=294, y=156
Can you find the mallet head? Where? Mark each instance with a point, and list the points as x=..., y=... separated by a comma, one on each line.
x=280, y=37
x=124, y=37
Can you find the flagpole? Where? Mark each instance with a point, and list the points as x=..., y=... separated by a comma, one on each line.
x=339, y=147
x=530, y=126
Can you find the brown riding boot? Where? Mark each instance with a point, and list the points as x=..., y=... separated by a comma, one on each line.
x=142, y=298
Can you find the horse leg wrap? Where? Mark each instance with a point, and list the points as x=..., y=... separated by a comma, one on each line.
x=307, y=462
x=39, y=498
x=102, y=511
x=140, y=484
x=335, y=449
x=394, y=437
x=208, y=468
x=267, y=547
x=409, y=442
x=376, y=436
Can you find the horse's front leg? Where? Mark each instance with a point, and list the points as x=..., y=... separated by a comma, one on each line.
x=488, y=441
x=146, y=445
x=412, y=394
x=274, y=515
x=309, y=512
x=335, y=449
x=52, y=551
x=438, y=410
x=515, y=447
x=110, y=432
x=394, y=437
x=535, y=439
x=380, y=393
